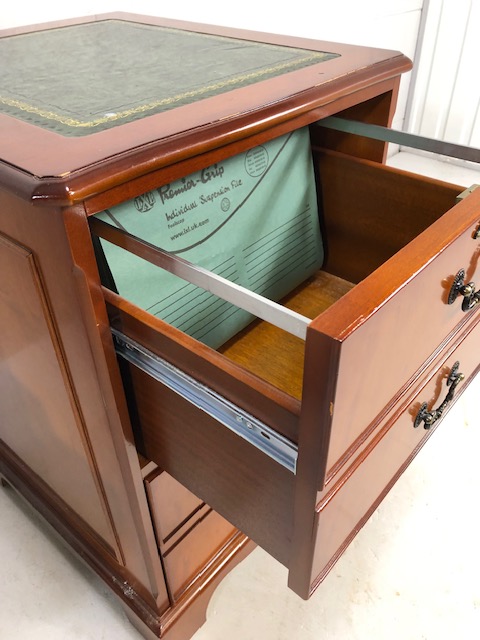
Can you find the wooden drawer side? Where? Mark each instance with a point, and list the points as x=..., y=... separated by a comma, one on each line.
x=237, y=480
x=208, y=367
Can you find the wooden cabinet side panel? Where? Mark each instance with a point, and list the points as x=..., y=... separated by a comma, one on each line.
x=39, y=421
x=79, y=424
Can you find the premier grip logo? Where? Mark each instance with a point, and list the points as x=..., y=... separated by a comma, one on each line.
x=169, y=192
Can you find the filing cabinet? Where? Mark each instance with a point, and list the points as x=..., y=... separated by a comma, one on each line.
x=162, y=459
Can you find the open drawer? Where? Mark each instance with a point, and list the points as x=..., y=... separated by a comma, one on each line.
x=273, y=428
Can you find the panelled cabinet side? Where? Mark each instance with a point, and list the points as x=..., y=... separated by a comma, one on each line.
x=39, y=403
x=115, y=449
x=55, y=427
x=172, y=616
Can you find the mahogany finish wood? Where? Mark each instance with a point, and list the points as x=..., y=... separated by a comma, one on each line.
x=361, y=343
x=29, y=424
x=201, y=541
x=381, y=339
x=372, y=111
x=368, y=478
x=397, y=299
x=225, y=471
x=371, y=211
x=189, y=533
x=169, y=515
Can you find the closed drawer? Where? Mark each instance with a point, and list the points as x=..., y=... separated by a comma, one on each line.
x=171, y=504
x=342, y=509
x=196, y=550
x=189, y=533
x=302, y=416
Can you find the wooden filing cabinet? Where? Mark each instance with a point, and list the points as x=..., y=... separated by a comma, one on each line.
x=160, y=459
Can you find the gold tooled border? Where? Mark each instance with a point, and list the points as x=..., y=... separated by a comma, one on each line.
x=74, y=123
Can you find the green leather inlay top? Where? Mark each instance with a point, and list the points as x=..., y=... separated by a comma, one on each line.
x=85, y=78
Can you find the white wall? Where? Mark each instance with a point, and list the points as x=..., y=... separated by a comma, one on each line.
x=389, y=24
x=446, y=101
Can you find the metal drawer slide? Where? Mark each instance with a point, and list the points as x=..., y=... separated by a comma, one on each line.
x=231, y=416
x=402, y=138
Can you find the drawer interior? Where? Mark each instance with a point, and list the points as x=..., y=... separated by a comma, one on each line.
x=367, y=213
x=275, y=355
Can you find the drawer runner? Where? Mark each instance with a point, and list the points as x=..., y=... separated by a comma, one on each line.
x=401, y=138
x=230, y=415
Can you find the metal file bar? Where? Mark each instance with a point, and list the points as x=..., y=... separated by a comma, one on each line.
x=261, y=307
x=411, y=140
x=230, y=415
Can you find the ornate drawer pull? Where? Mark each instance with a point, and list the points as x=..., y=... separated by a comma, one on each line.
x=470, y=297
x=430, y=417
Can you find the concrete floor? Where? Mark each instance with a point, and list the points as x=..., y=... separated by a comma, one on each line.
x=412, y=573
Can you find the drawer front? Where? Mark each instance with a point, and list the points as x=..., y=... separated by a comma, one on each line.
x=202, y=540
x=344, y=508
x=171, y=504
x=189, y=533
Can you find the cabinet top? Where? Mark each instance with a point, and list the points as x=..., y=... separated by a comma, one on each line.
x=96, y=90
x=85, y=78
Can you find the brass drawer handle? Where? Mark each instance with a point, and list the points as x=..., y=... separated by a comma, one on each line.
x=470, y=297
x=430, y=417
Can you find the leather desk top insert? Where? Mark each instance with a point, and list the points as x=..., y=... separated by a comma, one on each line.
x=172, y=66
